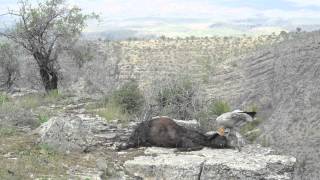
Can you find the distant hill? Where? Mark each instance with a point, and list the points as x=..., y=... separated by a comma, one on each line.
x=118, y=35
x=183, y=27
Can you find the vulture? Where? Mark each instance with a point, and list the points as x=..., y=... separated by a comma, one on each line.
x=229, y=124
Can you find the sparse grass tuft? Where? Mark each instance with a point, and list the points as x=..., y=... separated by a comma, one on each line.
x=7, y=131
x=265, y=142
x=53, y=96
x=35, y=100
x=29, y=102
x=43, y=117
x=3, y=98
x=252, y=108
x=219, y=107
x=250, y=130
x=112, y=111
x=121, y=104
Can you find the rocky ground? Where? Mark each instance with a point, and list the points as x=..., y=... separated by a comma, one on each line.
x=71, y=142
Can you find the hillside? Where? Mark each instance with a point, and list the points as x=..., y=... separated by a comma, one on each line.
x=197, y=57
x=283, y=82
x=278, y=75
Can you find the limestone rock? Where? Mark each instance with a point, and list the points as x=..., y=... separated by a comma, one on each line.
x=254, y=162
x=80, y=132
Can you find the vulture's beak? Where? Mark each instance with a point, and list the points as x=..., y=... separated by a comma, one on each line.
x=221, y=131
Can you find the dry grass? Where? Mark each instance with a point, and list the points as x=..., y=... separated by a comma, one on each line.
x=21, y=158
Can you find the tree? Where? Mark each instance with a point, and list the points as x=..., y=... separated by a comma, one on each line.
x=9, y=67
x=299, y=29
x=45, y=30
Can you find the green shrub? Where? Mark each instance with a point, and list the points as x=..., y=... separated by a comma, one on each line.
x=250, y=130
x=252, y=108
x=177, y=100
x=112, y=111
x=219, y=107
x=264, y=141
x=46, y=149
x=3, y=98
x=53, y=96
x=129, y=98
x=43, y=117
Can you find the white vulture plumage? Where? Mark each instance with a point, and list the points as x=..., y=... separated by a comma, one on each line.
x=229, y=123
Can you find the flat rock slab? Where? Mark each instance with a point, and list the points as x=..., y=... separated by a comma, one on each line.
x=80, y=133
x=253, y=163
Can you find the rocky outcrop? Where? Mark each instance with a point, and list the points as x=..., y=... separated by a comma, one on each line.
x=82, y=133
x=283, y=83
x=254, y=162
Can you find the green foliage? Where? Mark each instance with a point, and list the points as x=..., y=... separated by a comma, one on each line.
x=112, y=111
x=45, y=29
x=7, y=131
x=252, y=108
x=129, y=98
x=219, y=107
x=177, y=99
x=46, y=149
x=29, y=102
x=33, y=101
x=3, y=98
x=250, y=130
x=265, y=142
x=121, y=104
x=53, y=96
x=43, y=117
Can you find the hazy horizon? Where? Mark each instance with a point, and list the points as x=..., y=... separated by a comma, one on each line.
x=195, y=17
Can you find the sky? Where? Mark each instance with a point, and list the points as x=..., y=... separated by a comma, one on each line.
x=119, y=12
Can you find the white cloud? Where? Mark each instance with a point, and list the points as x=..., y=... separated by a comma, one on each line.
x=115, y=12
x=304, y=3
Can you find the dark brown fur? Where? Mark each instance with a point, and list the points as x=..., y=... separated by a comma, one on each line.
x=164, y=132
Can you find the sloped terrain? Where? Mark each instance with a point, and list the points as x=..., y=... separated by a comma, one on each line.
x=283, y=82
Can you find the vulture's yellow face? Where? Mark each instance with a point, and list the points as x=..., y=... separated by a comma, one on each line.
x=221, y=131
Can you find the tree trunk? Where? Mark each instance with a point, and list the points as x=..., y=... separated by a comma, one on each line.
x=49, y=79
x=9, y=82
x=49, y=75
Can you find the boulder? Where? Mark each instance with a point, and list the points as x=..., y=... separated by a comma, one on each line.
x=81, y=133
x=253, y=162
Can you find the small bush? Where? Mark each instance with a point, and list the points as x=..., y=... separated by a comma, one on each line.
x=112, y=111
x=53, y=96
x=264, y=141
x=46, y=149
x=251, y=131
x=252, y=108
x=129, y=98
x=219, y=107
x=178, y=99
x=3, y=98
x=43, y=117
